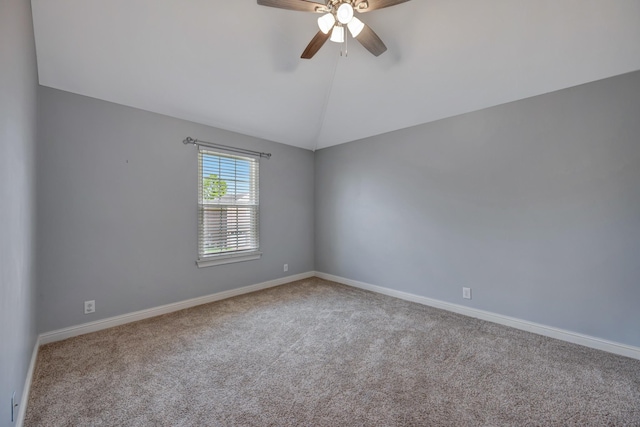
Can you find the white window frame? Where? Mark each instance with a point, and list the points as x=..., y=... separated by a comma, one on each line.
x=227, y=257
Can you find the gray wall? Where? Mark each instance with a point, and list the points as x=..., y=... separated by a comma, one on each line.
x=535, y=205
x=118, y=203
x=18, y=97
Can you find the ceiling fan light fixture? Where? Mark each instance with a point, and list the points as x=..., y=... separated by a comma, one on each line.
x=355, y=27
x=326, y=22
x=335, y=17
x=345, y=13
x=337, y=35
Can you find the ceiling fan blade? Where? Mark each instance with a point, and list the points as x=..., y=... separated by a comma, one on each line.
x=301, y=5
x=376, y=4
x=316, y=43
x=371, y=41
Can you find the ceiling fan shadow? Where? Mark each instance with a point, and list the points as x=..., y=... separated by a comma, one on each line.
x=284, y=49
x=394, y=55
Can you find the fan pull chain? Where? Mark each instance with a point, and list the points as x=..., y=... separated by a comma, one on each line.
x=346, y=45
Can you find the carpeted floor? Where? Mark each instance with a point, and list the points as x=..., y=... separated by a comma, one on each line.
x=316, y=353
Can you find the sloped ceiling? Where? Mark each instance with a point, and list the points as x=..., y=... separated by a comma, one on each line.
x=236, y=65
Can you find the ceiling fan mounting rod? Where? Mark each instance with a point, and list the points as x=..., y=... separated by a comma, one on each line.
x=333, y=5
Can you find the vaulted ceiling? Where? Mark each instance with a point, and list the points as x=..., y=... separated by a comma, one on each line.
x=236, y=65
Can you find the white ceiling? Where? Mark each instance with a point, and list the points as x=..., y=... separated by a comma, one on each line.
x=236, y=65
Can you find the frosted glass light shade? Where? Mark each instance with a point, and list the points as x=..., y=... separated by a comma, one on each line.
x=326, y=22
x=345, y=13
x=337, y=35
x=355, y=27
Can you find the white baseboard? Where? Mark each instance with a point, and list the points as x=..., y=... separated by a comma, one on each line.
x=98, y=325
x=22, y=409
x=536, y=328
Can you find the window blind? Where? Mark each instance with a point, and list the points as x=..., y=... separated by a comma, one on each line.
x=228, y=204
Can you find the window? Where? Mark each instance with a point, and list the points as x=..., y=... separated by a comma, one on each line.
x=228, y=208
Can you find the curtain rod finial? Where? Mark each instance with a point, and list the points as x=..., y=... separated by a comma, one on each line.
x=189, y=140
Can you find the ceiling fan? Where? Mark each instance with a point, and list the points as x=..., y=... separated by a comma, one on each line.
x=336, y=15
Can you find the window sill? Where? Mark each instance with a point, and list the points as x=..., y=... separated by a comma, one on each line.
x=228, y=259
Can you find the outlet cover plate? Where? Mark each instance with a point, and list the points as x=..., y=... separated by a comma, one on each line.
x=89, y=307
x=466, y=293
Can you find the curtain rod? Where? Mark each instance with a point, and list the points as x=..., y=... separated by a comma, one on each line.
x=189, y=140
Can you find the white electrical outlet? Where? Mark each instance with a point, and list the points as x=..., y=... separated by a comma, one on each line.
x=89, y=307
x=286, y=267
x=466, y=293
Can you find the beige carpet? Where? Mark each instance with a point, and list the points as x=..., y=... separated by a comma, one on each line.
x=316, y=353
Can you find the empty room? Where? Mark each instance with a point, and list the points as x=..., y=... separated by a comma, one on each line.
x=319, y=213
